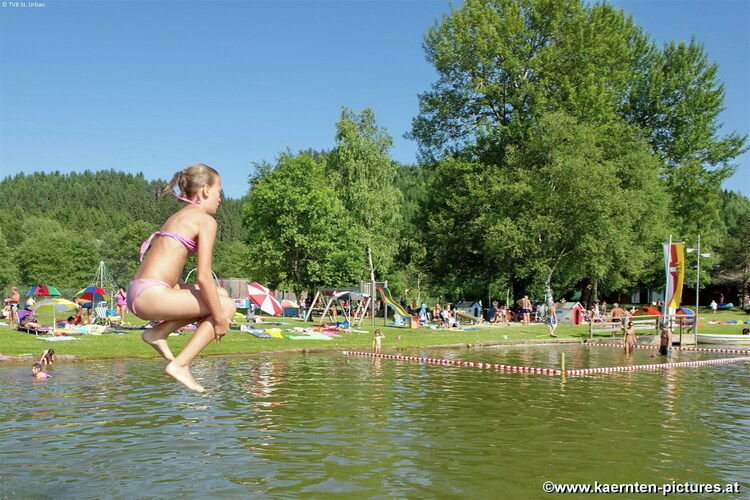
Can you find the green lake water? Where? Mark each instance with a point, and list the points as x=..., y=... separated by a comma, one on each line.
x=328, y=425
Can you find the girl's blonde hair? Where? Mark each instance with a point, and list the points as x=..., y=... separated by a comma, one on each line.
x=191, y=180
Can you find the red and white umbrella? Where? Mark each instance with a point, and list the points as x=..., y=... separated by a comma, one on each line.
x=263, y=298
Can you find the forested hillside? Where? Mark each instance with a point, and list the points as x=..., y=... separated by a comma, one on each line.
x=57, y=227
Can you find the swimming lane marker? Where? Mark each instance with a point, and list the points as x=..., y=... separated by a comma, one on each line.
x=655, y=366
x=458, y=362
x=694, y=349
x=548, y=371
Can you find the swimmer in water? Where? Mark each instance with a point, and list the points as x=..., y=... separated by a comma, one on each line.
x=38, y=373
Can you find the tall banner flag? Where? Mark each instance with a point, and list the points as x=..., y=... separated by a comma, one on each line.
x=674, y=262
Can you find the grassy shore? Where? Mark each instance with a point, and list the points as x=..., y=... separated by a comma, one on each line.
x=15, y=345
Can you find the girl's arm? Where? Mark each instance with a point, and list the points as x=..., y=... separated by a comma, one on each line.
x=204, y=275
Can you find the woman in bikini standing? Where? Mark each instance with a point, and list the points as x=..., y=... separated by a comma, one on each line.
x=156, y=293
x=629, y=340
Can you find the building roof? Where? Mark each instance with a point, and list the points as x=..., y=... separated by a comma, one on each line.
x=730, y=277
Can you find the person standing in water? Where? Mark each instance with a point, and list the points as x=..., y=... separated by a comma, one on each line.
x=156, y=292
x=665, y=340
x=48, y=357
x=377, y=341
x=629, y=340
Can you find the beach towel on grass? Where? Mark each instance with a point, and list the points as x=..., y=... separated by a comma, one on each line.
x=307, y=337
x=257, y=332
x=56, y=339
x=330, y=334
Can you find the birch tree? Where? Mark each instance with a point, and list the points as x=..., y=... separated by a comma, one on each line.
x=363, y=175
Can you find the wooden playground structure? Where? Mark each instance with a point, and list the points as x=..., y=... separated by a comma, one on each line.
x=357, y=303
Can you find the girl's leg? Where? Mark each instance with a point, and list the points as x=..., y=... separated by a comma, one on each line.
x=178, y=368
x=179, y=307
x=157, y=336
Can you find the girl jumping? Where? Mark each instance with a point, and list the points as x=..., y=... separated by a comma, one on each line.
x=156, y=292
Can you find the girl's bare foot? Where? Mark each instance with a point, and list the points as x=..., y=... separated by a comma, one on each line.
x=158, y=340
x=182, y=375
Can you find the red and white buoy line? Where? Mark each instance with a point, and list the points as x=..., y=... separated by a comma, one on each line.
x=676, y=348
x=553, y=371
x=458, y=362
x=655, y=366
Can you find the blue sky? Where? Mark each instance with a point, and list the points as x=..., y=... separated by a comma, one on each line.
x=153, y=87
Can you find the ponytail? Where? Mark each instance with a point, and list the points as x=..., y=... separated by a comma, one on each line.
x=190, y=181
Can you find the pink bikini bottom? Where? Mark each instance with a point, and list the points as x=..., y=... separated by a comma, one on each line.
x=138, y=286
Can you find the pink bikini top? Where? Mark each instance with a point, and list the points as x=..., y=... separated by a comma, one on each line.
x=191, y=245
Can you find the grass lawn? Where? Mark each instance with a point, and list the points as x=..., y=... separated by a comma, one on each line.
x=14, y=343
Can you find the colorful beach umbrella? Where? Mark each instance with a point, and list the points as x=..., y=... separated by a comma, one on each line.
x=263, y=298
x=288, y=303
x=43, y=291
x=57, y=305
x=94, y=294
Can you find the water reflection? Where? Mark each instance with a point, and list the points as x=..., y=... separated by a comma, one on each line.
x=316, y=425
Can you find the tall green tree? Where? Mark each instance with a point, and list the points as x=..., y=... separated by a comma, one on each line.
x=584, y=203
x=363, y=175
x=454, y=236
x=735, y=249
x=410, y=272
x=8, y=268
x=676, y=100
x=298, y=233
x=504, y=65
x=575, y=204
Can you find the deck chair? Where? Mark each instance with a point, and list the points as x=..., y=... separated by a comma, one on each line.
x=104, y=316
x=23, y=314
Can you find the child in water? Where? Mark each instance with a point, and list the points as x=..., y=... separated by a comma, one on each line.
x=38, y=373
x=376, y=341
x=156, y=292
x=665, y=340
x=48, y=357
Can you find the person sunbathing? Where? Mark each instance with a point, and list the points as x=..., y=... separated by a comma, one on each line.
x=30, y=322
